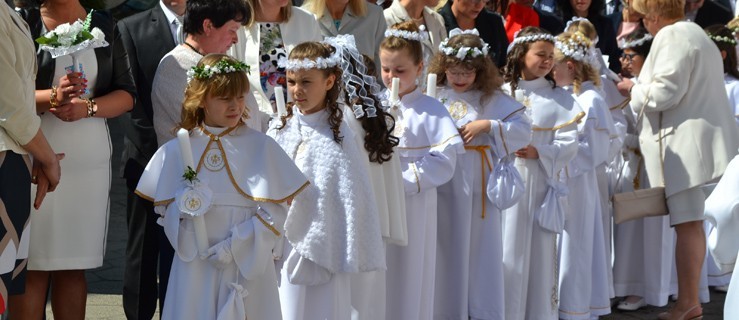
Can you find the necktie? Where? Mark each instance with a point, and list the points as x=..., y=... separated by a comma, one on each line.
x=180, y=36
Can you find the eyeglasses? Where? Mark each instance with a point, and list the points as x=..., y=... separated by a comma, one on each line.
x=628, y=56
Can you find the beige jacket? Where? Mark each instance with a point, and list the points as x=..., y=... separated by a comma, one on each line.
x=301, y=27
x=19, y=122
x=368, y=30
x=433, y=21
x=683, y=79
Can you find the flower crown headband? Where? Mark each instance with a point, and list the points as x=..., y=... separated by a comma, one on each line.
x=408, y=35
x=463, y=52
x=221, y=67
x=574, y=48
x=623, y=44
x=718, y=38
x=531, y=38
x=319, y=63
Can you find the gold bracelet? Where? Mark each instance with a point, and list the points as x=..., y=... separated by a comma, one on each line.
x=92, y=107
x=52, y=97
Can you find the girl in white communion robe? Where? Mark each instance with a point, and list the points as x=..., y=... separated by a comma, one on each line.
x=231, y=203
x=332, y=229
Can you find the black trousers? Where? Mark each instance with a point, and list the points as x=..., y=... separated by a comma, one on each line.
x=148, y=254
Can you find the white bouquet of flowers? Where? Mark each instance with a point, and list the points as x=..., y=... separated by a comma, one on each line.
x=72, y=39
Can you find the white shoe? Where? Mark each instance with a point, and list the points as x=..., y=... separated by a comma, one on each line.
x=723, y=289
x=631, y=306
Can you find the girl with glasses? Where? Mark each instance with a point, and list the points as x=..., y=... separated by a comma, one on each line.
x=469, y=277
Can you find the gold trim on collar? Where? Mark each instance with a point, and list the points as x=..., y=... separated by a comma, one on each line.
x=142, y=195
x=431, y=146
x=163, y=202
x=233, y=180
x=576, y=119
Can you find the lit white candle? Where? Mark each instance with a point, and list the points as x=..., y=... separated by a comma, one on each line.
x=280, y=101
x=431, y=85
x=201, y=237
x=394, y=90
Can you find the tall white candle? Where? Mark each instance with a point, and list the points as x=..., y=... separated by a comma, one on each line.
x=183, y=136
x=394, y=90
x=201, y=237
x=431, y=85
x=280, y=101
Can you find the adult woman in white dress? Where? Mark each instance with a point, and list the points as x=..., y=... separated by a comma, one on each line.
x=682, y=81
x=68, y=232
x=357, y=17
x=20, y=136
x=278, y=27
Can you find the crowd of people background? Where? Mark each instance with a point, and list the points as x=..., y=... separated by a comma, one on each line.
x=483, y=192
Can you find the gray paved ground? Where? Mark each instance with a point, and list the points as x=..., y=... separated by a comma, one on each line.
x=105, y=283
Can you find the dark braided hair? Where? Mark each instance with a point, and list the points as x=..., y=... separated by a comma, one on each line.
x=514, y=64
x=312, y=51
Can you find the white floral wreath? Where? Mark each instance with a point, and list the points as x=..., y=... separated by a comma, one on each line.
x=717, y=38
x=463, y=52
x=223, y=66
x=623, y=44
x=531, y=38
x=319, y=63
x=573, y=49
x=408, y=35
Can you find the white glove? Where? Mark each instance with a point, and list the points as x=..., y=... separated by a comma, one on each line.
x=219, y=255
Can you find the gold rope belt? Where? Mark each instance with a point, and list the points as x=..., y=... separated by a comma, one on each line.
x=484, y=159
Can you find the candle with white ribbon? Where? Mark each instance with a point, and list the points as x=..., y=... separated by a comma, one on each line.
x=280, y=101
x=431, y=85
x=201, y=237
x=394, y=90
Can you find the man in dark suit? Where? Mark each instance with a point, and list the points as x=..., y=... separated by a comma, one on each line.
x=147, y=37
x=468, y=14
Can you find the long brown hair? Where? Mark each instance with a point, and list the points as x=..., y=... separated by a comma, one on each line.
x=378, y=139
x=230, y=85
x=312, y=51
x=487, y=76
x=514, y=64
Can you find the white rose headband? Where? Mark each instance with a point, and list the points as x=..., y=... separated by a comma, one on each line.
x=623, y=44
x=573, y=48
x=718, y=38
x=576, y=19
x=320, y=63
x=530, y=38
x=463, y=52
x=576, y=49
x=408, y=35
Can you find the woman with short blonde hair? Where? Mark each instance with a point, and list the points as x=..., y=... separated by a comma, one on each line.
x=356, y=17
x=688, y=135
